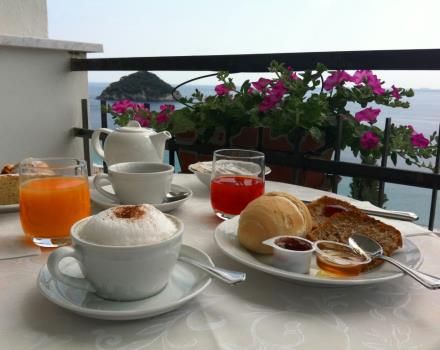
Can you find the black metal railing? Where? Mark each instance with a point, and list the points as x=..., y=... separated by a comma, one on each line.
x=380, y=60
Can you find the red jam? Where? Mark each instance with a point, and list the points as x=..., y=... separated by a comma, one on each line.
x=292, y=243
x=330, y=210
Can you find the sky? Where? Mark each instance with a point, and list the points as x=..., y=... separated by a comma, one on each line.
x=136, y=28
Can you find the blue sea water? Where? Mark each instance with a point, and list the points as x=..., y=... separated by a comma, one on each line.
x=424, y=115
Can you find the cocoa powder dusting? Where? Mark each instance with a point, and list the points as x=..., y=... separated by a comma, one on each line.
x=129, y=212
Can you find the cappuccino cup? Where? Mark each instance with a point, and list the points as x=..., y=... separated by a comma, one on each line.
x=136, y=182
x=120, y=273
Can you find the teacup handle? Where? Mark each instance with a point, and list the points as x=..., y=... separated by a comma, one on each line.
x=103, y=180
x=53, y=265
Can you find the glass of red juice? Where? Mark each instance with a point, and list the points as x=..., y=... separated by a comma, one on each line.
x=237, y=178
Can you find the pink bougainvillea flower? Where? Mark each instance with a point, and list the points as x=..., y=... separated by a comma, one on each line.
x=361, y=75
x=122, y=106
x=140, y=108
x=273, y=96
x=144, y=122
x=369, y=140
x=410, y=127
x=419, y=140
x=395, y=93
x=268, y=102
x=251, y=90
x=162, y=118
x=375, y=84
x=294, y=76
x=261, y=84
x=169, y=108
x=117, y=107
x=289, y=68
x=279, y=88
x=367, y=76
x=368, y=115
x=336, y=78
x=221, y=90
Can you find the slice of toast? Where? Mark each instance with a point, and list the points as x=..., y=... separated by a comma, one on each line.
x=9, y=189
x=317, y=208
x=339, y=227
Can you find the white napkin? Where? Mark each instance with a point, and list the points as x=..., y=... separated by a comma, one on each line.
x=12, y=239
x=14, y=246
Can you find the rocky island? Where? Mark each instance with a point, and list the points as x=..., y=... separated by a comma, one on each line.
x=141, y=86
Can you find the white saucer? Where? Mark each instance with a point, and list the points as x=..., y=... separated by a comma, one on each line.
x=165, y=207
x=6, y=208
x=185, y=283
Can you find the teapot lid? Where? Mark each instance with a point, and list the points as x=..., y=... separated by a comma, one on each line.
x=134, y=127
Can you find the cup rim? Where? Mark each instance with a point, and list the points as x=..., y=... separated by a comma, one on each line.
x=27, y=163
x=74, y=234
x=320, y=252
x=257, y=154
x=169, y=167
x=277, y=247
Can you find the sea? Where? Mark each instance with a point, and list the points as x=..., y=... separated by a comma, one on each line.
x=424, y=115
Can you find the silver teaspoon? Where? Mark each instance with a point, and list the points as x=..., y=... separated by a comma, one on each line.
x=226, y=276
x=368, y=247
x=175, y=196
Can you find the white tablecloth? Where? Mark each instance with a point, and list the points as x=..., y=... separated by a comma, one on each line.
x=262, y=313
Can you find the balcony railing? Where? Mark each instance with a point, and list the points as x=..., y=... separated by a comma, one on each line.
x=350, y=60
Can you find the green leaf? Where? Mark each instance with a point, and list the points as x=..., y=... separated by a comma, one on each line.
x=315, y=133
x=394, y=158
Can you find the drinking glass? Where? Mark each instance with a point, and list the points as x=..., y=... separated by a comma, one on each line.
x=237, y=178
x=54, y=194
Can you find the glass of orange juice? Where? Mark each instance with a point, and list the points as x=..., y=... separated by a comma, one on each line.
x=54, y=194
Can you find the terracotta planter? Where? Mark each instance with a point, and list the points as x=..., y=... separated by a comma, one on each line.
x=187, y=157
x=248, y=138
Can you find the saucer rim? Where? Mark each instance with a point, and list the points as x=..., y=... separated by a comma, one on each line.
x=109, y=203
x=125, y=314
x=7, y=208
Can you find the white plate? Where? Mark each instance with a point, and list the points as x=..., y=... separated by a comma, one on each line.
x=6, y=208
x=226, y=238
x=206, y=177
x=105, y=202
x=185, y=283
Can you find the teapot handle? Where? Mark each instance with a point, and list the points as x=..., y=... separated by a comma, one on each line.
x=96, y=144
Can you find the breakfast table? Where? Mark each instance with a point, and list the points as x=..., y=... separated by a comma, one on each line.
x=264, y=312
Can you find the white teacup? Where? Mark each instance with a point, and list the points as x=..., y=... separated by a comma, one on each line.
x=119, y=272
x=136, y=182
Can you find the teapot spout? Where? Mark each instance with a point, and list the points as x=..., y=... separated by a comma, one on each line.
x=158, y=141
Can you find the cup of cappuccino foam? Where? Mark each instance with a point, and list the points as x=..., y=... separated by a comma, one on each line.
x=136, y=182
x=125, y=252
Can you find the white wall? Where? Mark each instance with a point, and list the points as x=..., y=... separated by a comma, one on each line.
x=27, y=18
x=40, y=102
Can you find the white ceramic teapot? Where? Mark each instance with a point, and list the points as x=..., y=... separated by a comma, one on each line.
x=130, y=143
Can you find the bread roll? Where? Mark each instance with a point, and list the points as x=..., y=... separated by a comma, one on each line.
x=273, y=214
